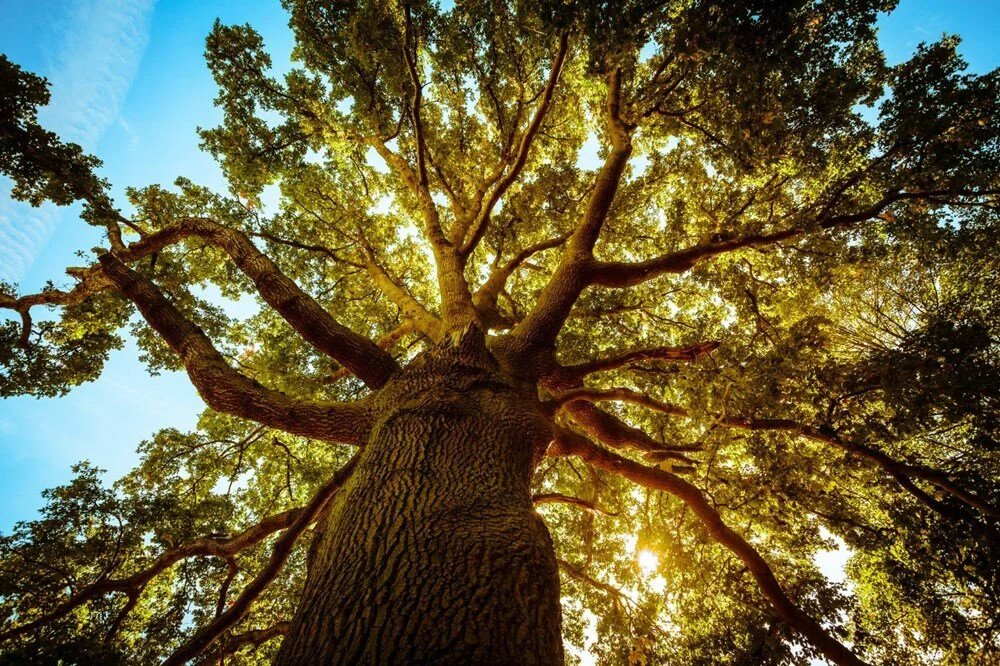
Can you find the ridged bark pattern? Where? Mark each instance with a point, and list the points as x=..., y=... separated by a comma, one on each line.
x=432, y=553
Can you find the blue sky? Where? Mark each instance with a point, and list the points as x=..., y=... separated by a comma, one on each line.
x=130, y=85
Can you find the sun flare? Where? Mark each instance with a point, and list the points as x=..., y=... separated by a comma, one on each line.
x=648, y=561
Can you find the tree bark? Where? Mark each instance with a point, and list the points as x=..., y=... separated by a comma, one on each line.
x=432, y=553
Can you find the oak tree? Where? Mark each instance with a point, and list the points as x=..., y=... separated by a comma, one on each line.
x=500, y=402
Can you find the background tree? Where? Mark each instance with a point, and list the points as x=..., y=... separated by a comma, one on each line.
x=769, y=317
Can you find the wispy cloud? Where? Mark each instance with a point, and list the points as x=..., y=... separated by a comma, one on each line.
x=96, y=46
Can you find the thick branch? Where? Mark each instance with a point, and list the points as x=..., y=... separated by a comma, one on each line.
x=617, y=434
x=614, y=394
x=568, y=443
x=456, y=299
x=222, y=388
x=356, y=352
x=302, y=312
x=542, y=324
x=279, y=554
x=486, y=296
x=384, y=342
x=413, y=310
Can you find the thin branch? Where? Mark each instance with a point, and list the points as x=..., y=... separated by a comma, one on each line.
x=620, y=598
x=132, y=585
x=231, y=571
x=486, y=296
x=686, y=353
x=614, y=434
x=900, y=471
x=130, y=603
x=279, y=554
x=254, y=638
x=573, y=572
x=457, y=207
x=481, y=222
x=413, y=310
x=627, y=274
x=311, y=247
x=556, y=498
x=409, y=55
x=569, y=443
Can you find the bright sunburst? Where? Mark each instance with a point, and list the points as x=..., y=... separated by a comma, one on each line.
x=648, y=561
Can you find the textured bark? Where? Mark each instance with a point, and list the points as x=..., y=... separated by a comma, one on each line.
x=432, y=552
x=220, y=386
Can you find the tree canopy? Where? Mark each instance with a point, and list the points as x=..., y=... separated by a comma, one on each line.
x=766, y=322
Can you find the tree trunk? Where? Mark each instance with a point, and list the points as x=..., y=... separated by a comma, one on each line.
x=432, y=552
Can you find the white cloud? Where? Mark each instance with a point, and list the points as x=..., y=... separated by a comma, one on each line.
x=96, y=46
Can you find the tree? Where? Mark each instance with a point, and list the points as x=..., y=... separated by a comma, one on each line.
x=493, y=400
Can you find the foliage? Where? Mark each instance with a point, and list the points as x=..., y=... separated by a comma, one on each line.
x=829, y=220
